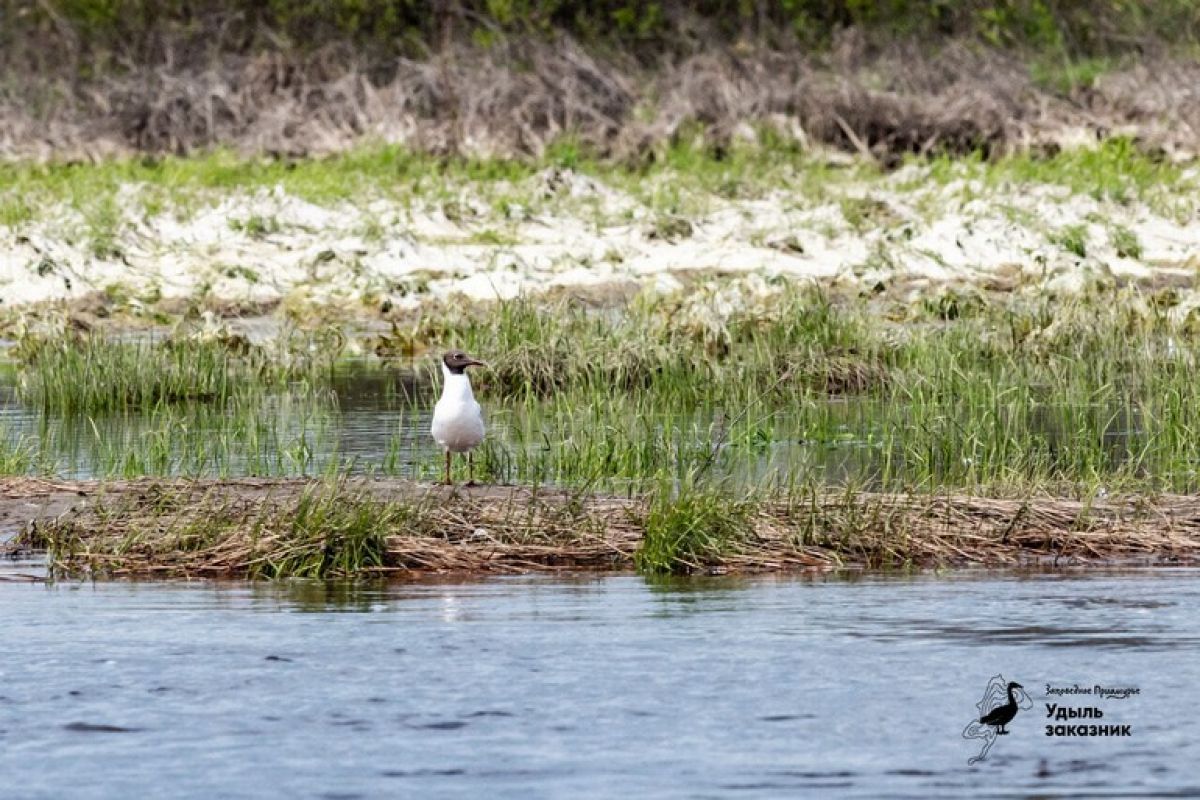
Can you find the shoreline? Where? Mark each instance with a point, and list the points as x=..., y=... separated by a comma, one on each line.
x=235, y=528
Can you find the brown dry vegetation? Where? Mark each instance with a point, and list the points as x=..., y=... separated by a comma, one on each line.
x=517, y=97
x=255, y=527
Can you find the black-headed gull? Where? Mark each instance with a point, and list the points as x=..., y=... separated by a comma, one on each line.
x=457, y=418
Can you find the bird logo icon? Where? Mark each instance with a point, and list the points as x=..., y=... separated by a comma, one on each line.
x=1001, y=701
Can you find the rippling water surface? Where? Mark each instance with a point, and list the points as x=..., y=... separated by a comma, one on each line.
x=592, y=687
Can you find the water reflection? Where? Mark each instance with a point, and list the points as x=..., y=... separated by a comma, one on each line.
x=363, y=596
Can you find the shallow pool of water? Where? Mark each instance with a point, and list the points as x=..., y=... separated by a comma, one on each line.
x=594, y=687
x=373, y=419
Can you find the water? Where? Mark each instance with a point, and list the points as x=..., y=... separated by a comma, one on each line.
x=362, y=421
x=593, y=687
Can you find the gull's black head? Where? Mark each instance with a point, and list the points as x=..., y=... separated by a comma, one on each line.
x=1015, y=685
x=457, y=362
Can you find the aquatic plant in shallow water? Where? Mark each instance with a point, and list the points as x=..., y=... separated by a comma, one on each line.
x=338, y=527
x=1010, y=393
x=94, y=374
x=18, y=454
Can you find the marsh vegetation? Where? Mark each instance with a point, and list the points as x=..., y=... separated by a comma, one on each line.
x=717, y=402
x=845, y=277
x=742, y=379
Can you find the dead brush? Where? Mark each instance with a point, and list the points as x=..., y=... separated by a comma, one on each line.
x=325, y=529
x=519, y=95
x=345, y=527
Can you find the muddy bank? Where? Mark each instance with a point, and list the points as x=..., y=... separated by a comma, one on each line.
x=274, y=528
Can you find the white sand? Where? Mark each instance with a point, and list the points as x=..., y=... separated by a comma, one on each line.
x=938, y=233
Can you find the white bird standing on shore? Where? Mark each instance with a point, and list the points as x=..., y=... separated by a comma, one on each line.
x=457, y=418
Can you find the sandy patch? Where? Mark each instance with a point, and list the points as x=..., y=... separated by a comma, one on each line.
x=268, y=247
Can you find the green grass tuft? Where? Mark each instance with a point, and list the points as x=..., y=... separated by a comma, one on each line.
x=1125, y=242
x=1073, y=239
x=692, y=527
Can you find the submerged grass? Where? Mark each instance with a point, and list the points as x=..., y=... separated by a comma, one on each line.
x=1009, y=393
x=270, y=436
x=18, y=455
x=93, y=375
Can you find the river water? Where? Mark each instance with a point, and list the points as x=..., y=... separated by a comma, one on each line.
x=818, y=686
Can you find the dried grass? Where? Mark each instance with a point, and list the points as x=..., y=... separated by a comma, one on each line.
x=239, y=528
x=519, y=96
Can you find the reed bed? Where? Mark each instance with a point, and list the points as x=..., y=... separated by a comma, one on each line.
x=761, y=385
x=331, y=528
x=343, y=528
x=91, y=373
x=977, y=391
